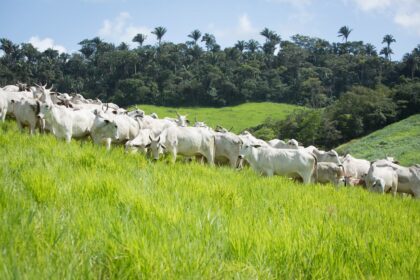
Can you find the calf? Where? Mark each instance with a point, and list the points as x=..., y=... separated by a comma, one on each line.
x=329, y=172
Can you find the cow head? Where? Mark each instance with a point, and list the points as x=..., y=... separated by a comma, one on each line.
x=182, y=120
x=44, y=109
x=156, y=146
x=105, y=127
x=246, y=149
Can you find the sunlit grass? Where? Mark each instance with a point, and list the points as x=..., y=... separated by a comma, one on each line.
x=77, y=211
x=236, y=117
x=400, y=140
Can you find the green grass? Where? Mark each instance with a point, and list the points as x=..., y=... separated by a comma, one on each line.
x=76, y=211
x=239, y=117
x=400, y=140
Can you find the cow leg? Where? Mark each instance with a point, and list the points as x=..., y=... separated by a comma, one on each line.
x=269, y=173
x=20, y=126
x=174, y=153
x=108, y=143
x=306, y=178
x=68, y=137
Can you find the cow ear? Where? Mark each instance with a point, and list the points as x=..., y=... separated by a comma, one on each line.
x=107, y=121
x=148, y=145
x=163, y=146
x=256, y=146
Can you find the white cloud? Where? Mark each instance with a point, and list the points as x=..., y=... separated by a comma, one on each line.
x=121, y=29
x=244, y=30
x=406, y=13
x=46, y=43
x=295, y=3
x=369, y=5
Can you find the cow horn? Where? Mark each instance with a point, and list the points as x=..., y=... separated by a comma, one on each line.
x=230, y=129
x=150, y=137
x=177, y=114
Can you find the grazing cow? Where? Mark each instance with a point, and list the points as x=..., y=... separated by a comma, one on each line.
x=26, y=113
x=186, y=141
x=288, y=162
x=104, y=130
x=67, y=123
x=128, y=127
x=227, y=147
x=408, y=177
x=355, y=168
x=3, y=107
x=329, y=172
x=382, y=179
x=140, y=141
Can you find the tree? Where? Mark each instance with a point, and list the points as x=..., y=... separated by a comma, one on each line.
x=159, y=32
x=240, y=45
x=271, y=40
x=195, y=35
x=370, y=50
x=344, y=32
x=252, y=46
x=388, y=39
x=139, y=38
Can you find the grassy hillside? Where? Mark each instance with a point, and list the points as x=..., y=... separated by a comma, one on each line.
x=400, y=140
x=77, y=211
x=239, y=117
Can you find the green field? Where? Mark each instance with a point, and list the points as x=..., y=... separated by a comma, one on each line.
x=76, y=211
x=239, y=117
x=400, y=140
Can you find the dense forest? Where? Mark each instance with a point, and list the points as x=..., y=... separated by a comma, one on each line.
x=359, y=88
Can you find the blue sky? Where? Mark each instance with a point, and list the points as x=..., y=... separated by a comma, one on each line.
x=61, y=24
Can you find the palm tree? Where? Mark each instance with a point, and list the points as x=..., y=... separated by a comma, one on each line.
x=159, y=32
x=139, y=38
x=252, y=45
x=388, y=39
x=344, y=32
x=387, y=52
x=240, y=45
x=267, y=33
x=209, y=40
x=370, y=49
x=195, y=35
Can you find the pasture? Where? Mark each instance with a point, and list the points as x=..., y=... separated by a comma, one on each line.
x=77, y=211
x=236, y=117
x=400, y=140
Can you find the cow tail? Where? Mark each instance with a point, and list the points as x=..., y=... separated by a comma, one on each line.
x=315, y=171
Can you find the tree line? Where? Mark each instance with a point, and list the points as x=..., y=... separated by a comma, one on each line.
x=304, y=70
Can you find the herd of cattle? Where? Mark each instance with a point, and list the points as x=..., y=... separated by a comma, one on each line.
x=72, y=116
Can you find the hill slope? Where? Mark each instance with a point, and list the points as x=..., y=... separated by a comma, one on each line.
x=400, y=140
x=239, y=117
x=77, y=211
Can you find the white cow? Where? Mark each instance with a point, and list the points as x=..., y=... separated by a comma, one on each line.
x=141, y=141
x=355, y=168
x=249, y=139
x=186, y=141
x=157, y=126
x=382, y=179
x=330, y=156
x=3, y=106
x=128, y=127
x=280, y=144
x=26, y=113
x=67, y=123
x=408, y=177
x=329, y=172
x=289, y=162
x=227, y=147
x=104, y=130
